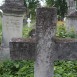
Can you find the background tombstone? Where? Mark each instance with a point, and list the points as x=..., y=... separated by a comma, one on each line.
x=71, y=6
x=71, y=22
x=45, y=30
x=12, y=21
x=71, y=18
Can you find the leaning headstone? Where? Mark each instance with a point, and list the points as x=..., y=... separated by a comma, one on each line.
x=12, y=21
x=45, y=30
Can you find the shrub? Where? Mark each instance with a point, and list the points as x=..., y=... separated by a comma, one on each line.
x=63, y=33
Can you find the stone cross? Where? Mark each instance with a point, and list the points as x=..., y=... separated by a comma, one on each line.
x=48, y=47
x=45, y=30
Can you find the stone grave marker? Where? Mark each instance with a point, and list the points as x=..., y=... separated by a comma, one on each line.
x=12, y=20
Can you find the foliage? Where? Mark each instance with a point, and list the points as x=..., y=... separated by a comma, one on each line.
x=63, y=33
x=31, y=5
x=65, y=69
x=26, y=31
x=16, y=68
x=50, y=3
x=25, y=68
x=72, y=33
x=61, y=6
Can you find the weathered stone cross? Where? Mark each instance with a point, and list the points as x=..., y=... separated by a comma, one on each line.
x=48, y=47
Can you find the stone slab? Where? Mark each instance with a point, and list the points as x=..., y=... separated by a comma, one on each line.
x=11, y=28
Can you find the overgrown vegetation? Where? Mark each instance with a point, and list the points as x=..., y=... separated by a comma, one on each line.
x=26, y=68
x=65, y=69
x=27, y=29
x=17, y=68
x=63, y=33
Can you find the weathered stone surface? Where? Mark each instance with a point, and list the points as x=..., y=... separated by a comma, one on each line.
x=4, y=54
x=66, y=49
x=11, y=28
x=21, y=49
x=71, y=4
x=71, y=22
x=12, y=20
x=14, y=6
x=45, y=30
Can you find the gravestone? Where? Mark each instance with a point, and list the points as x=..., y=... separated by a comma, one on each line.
x=12, y=20
x=71, y=6
x=71, y=22
x=71, y=18
x=45, y=30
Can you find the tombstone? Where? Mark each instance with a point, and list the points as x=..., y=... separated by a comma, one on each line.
x=71, y=18
x=71, y=21
x=12, y=21
x=71, y=6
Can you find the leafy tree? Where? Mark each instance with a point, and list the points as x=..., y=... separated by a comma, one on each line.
x=31, y=5
x=61, y=7
x=50, y=3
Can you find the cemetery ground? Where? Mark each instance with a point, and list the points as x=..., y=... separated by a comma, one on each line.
x=25, y=68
